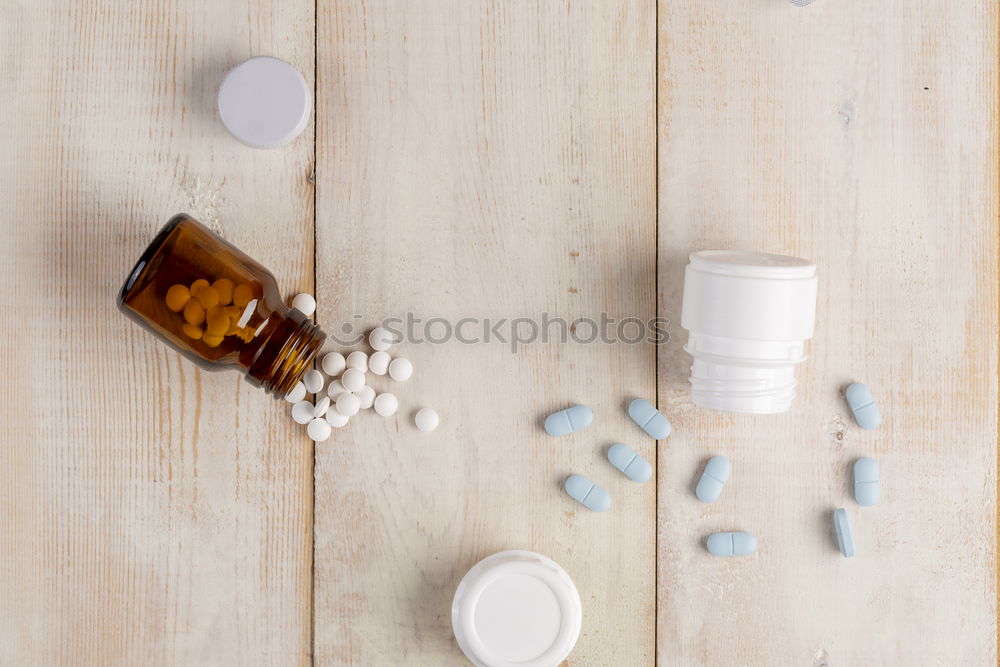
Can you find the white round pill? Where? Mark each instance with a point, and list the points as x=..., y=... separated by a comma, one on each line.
x=353, y=379
x=357, y=359
x=335, y=389
x=378, y=363
x=348, y=404
x=333, y=364
x=335, y=419
x=264, y=102
x=322, y=405
x=297, y=393
x=400, y=369
x=426, y=419
x=304, y=303
x=381, y=339
x=302, y=412
x=386, y=404
x=367, y=397
x=318, y=430
x=313, y=380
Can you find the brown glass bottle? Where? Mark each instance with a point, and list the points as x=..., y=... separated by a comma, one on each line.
x=272, y=344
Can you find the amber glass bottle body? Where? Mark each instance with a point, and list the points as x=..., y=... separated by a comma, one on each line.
x=249, y=328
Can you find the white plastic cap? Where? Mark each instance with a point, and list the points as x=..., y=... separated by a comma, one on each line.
x=748, y=315
x=516, y=608
x=264, y=102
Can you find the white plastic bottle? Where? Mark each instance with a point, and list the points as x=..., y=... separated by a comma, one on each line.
x=516, y=608
x=748, y=316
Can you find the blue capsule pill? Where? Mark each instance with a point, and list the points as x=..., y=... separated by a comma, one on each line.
x=845, y=536
x=866, y=482
x=634, y=466
x=649, y=418
x=587, y=493
x=716, y=473
x=862, y=403
x=731, y=544
x=568, y=420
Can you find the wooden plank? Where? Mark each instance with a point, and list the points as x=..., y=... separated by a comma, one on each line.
x=862, y=136
x=489, y=160
x=154, y=514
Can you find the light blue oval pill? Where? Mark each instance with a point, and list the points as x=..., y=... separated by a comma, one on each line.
x=568, y=420
x=731, y=544
x=716, y=473
x=587, y=493
x=866, y=482
x=845, y=536
x=862, y=403
x=625, y=459
x=649, y=418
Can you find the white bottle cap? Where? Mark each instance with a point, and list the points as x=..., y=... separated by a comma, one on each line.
x=264, y=102
x=748, y=315
x=516, y=608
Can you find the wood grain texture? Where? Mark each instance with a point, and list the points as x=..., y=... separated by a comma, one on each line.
x=497, y=160
x=489, y=160
x=153, y=514
x=863, y=136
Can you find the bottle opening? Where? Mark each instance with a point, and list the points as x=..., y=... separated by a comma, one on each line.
x=287, y=349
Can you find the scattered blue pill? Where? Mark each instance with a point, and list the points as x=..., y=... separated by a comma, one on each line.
x=866, y=482
x=568, y=420
x=649, y=418
x=716, y=473
x=862, y=403
x=587, y=493
x=634, y=466
x=731, y=544
x=845, y=535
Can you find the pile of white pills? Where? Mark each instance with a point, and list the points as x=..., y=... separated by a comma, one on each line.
x=347, y=393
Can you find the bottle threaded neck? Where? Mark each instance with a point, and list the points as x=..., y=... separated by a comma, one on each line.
x=286, y=354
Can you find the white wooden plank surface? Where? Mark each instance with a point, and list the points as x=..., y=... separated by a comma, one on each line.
x=495, y=160
x=153, y=514
x=861, y=135
x=487, y=159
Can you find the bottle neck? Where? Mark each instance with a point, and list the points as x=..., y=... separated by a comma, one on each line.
x=288, y=344
x=740, y=375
